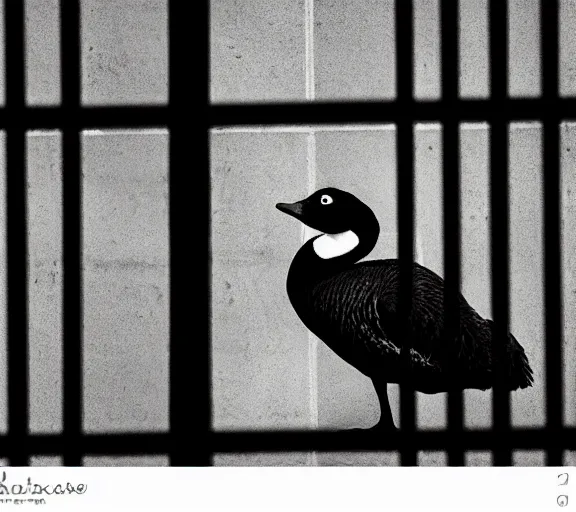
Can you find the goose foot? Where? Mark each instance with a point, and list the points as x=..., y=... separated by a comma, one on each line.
x=384, y=427
x=376, y=429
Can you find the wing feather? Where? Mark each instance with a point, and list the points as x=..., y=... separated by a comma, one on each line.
x=357, y=317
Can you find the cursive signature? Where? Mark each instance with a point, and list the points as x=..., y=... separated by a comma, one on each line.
x=39, y=489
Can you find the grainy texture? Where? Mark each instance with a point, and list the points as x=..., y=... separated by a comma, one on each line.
x=567, y=20
x=526, y=265
x=474, y=76
x=570, y=458
x=257, y=51
x=268, y=371
x=260, y=351
x=478, y=458
x=45, y=280
x=262, y=459
x=125, y=263
x=363, y=163
x=45, y=461
x=2, y=57
x=126, y=461
x=3, y=292
x=427, y=84
x=567, y=195
x=354, y=50
x=358, y=459
x=529, y=458
x=428, y=240
x=124, y=52
x=475, y=249
x=42, y=52
x=524, y=44
x=432, y=459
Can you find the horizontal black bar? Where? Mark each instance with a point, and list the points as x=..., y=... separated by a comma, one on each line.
x=389, y=112
x=53, y=118
x=97, y=444
x=45, y=118
x=360, y=441
x=306, y=440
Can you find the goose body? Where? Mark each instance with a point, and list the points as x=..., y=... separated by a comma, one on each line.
x=353, y=308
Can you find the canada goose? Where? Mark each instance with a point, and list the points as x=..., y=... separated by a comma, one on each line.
x=352, y=307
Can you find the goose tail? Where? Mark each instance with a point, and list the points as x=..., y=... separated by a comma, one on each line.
x=519, y=375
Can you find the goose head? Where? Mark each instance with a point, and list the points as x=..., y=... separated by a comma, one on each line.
x=347, y=223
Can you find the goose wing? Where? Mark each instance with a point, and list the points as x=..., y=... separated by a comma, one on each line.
x=358, y=310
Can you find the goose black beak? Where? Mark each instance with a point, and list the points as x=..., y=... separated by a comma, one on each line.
x=293, y=209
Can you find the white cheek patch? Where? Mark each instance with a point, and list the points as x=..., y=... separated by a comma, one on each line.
x=332, y=246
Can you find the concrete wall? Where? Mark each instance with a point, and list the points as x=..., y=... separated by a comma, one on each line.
x=268, y=371
x=125, y=238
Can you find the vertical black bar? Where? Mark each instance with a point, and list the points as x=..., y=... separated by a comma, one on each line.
x=17, y=250
x=405, y=73
x=499, y=223
x=451, y=200
x=552, y=250
x=72, y=230
x=190, y=364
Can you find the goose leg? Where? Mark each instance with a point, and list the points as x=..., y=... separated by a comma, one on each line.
x=386, y=421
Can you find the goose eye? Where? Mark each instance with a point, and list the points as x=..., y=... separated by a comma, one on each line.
x=326, y=199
